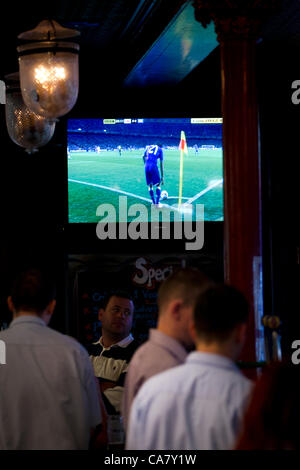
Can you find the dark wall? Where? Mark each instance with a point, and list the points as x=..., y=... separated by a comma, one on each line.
x=280, y=123
x=32, y=211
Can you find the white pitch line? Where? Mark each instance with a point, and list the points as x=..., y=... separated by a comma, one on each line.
x=110, y=189
x=192, y=199
x=176, y=197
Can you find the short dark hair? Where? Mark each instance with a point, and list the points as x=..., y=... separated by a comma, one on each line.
x=124, y=294
x=219, y=309
x=185, y=283
x=32, y=290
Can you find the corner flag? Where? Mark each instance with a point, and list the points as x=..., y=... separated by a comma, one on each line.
x=183, y=149
x=182, y=145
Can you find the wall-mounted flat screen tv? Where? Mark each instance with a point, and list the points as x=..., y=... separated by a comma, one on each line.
x=171, y=165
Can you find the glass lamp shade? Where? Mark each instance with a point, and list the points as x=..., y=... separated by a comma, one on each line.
x=25, y=128
x=49, y=77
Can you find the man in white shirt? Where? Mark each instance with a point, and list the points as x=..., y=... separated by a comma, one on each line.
x=168, y=344
x=198, y=405
x=48, y=393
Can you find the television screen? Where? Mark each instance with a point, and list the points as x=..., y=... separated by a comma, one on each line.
x=119, y=169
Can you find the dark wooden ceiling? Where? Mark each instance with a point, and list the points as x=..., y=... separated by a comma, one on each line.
x=115, y=34
x=113, y=31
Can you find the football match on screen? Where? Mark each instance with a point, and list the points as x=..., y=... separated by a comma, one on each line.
x=171, y=164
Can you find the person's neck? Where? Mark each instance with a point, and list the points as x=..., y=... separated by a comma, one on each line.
x=174, y=334
x=165, y=327
x=24, y=313
x=45, y=315
x=223, y=349
x=108, y=340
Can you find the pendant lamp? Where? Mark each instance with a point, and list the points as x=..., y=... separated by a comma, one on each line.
x=25, y=128
x=49, y=69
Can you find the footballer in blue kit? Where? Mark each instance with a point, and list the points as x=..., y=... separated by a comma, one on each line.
x=152, y=154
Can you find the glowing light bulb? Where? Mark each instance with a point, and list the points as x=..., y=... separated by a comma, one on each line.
x=53, y=74
x=49, y=77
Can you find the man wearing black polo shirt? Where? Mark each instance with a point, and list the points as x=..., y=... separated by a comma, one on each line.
x=111, y=354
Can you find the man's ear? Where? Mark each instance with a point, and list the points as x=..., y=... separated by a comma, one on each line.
x=100, y=314
x=51, y=307
x=192, y=331
x=241, y=333
x=10, y=304
x=48, y=312
x=175, y=308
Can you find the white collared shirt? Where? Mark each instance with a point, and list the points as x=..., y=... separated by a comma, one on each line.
x=159, y=353
x=48, y=393
x=198, y=405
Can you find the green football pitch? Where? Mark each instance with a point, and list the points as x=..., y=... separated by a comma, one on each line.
x=101, y=178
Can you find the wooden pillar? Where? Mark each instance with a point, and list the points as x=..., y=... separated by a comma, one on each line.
x=242, y=222
x=237, y=30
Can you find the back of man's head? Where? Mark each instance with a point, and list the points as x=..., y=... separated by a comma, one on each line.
x=32, y=290
x=185, y=283
x=219, y=310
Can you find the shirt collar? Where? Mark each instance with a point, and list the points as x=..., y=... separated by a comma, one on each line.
x=27, y=319
x=167, y=342
x=123, y=343
x=210, y=359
